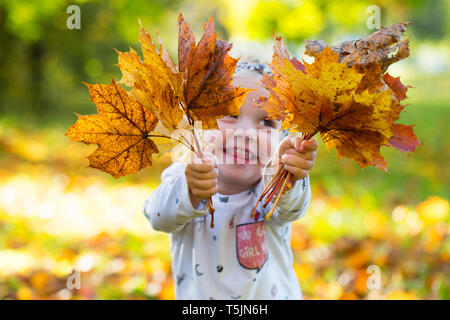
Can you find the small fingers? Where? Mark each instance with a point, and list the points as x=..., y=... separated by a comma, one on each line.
x=310, y=155
x=288, y=142
x=296, y=171
x=212, y=174
x=200, y=179
x=201, y=184
x=308, y=145
x=296, y=161
x=203, y=194
x=296, y=142
x=207, y=159
x=200, y=168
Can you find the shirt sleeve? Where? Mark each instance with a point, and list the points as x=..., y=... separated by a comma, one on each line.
x=293, y=203
x=169, y=207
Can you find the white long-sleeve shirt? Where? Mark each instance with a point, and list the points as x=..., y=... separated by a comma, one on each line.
x=241, y=257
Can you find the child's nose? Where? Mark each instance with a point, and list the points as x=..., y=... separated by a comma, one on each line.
x=248, y=133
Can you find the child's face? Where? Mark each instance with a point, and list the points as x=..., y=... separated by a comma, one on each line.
x=247, y=138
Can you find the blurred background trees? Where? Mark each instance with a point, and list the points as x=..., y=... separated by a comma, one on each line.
x=43, y=63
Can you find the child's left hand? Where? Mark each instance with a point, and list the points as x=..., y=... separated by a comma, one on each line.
x=296, y=155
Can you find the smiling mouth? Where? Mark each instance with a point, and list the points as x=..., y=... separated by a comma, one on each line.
x=240, y=156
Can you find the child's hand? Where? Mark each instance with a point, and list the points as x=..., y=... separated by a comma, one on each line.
x=202, y=179
x=296, y=155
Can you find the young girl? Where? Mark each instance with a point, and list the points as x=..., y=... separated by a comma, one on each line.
x=241, y=257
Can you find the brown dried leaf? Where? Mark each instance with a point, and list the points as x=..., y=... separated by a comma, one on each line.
x=381, y=47
x=208, y=71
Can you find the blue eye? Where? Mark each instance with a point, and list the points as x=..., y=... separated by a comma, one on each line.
x=267, y=122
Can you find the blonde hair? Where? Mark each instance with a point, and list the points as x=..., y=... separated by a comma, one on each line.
x=251, y=57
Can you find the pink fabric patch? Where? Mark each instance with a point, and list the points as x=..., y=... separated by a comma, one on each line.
x=251, y=245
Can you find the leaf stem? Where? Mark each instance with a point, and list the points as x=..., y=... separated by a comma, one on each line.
x=267, y=189
x=272, y=193
x=286, y=180
x=198, y=151
x=283, y=178
x=167, y=137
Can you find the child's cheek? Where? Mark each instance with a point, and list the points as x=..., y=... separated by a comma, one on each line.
x=240, y=175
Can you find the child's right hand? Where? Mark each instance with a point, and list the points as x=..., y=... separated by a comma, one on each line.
x=201, y=179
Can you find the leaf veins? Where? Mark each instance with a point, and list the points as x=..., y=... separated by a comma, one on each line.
x=121, y=129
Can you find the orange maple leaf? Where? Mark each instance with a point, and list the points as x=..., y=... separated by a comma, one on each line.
x=344, y=96
x=155, y=81
x=396, y=85
x=350, y=106
x=121, y=129
x=200, y=86
x=208, y=71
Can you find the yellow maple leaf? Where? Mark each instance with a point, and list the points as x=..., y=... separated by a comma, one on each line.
x=155, y=81
x=121, y=129
x=327, y=98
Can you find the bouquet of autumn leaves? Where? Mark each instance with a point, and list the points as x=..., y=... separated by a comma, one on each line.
x=130, y=125
x=345, y=95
